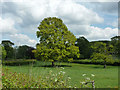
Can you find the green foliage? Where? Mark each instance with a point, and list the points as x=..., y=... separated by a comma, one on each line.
x=21, y=80
x=24, y=52
x=9, y=49
x=18, y=62
x=2, y=52
x=102, y=51
x=115, y=41
x=100, y=56
x=112, y=62
x=84, y=47
x=56, y=42
x=99, y=47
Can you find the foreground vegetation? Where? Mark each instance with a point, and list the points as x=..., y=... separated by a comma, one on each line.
x=22, y=80
x=104, y=78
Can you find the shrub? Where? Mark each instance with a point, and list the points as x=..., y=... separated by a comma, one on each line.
x=114, y=62
x=18, y=62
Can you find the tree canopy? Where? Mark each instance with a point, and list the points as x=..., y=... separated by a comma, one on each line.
x=24, y=52
x=115, y=41
x=84, y=47
x=56, y=42
x=9, y=49
x=102, y=51
x=2, y=52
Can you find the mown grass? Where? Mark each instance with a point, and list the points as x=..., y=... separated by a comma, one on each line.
x=104, y=78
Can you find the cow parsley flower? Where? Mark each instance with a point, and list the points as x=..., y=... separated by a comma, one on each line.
x=63, y=73
x=88, y=78
x=83, y=74
x=82, y=82
x=92, y=75
x=55, y=79
x=69, y=77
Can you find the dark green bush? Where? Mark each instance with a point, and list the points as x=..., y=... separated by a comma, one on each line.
x=115, y=62
x=18, y=62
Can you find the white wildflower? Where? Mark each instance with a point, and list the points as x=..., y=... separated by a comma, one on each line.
x=69, y=77
x=88, y=78
x=75, y=87
x=55, y=79
x=92, y=75
x=62, y=68
x=62, y=82
x=63, y=73
x=83, y=74
x=82, y=82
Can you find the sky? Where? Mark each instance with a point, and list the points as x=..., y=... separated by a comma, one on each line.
x=95, y=20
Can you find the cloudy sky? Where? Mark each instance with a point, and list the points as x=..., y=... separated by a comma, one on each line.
x=93, y=20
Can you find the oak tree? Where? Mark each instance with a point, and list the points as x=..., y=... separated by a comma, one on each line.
x=57, y=43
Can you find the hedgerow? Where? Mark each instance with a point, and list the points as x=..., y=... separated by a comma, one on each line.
x=115, y=62
x=18, y=62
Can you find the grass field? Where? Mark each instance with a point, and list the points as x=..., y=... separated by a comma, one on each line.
x=104, y=78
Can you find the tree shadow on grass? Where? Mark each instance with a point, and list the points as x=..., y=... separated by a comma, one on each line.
x=98, y=67
x=50, y=66
x=102, y=67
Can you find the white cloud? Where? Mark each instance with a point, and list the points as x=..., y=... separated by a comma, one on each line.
x=11, y=0
x=68, y=10
x=72, y=12
x=7, y=26
x=21, y=39
x=92, y=32
x=25, y=16
x=79, y=29
x=97, y=0
x=106, y=0
x=68, y=0
x=101, y=34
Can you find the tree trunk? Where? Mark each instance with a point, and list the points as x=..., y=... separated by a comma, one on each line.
x=104, y=65
x=53, y=64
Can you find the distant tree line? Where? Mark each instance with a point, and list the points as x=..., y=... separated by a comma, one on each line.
x=18, y=52
x=86, y=48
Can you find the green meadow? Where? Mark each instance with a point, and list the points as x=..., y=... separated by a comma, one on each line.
x=104, y=78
